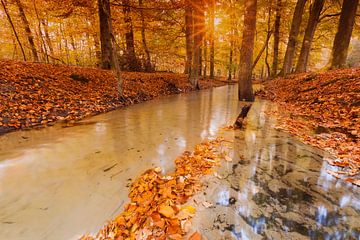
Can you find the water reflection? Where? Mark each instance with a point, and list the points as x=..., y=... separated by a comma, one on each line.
x=280, y=189
x=61, y=170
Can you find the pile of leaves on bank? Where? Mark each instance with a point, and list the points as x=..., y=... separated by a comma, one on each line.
x=157, y=208
x=322, y=110
x=34, y=94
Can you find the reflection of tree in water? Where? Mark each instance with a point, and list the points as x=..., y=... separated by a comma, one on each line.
x=277, y=190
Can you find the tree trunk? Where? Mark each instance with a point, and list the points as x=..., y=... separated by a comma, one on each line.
x=47, y=37
x=269, y=33
x=343, y=34
x=27, y=30
x=189, y=28
x=148, y=67
x=105, y=34
x=205, y=57
x=246, y=52
x=211, y=37
x=13, y=28
x=294, y=32
x=41, y=34
x=230, y=60
x=97, y=49
x=276, y=39
x=309, y=35
x=268, y=36
x=109, y=59
x=129, y=38
x=198, y=19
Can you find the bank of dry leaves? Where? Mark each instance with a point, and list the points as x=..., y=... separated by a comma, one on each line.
x=157, y=208
x=322, y=110
x=35, y=94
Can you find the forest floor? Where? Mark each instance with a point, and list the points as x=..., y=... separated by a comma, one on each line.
x=38, y=95
x=322, y=109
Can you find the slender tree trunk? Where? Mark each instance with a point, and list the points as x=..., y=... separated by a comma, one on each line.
x=189, y=28
x=344, y=32
x=276, y=39
x=27, y=29
x=109, y=59
x=40, y=33
x=205, y=57
x=269, y=33
x=74, y=47
x=230, y=60
x=199, y=28
x=268, y=36
x=47, y=37
x=211, y=37
x=246, y=52
x=129, y=38
x=200, y=59
x=148, y=67
x=97, y=49
x=13, y=28
x=309, y=35
x=294, y=32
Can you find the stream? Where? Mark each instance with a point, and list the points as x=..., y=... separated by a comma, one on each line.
x=65, y=181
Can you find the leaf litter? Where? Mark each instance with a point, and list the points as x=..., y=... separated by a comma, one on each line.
x=322, y=110
x=158, y=203
x=37, y=95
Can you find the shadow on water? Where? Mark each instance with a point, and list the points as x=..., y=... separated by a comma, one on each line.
x=277, y=188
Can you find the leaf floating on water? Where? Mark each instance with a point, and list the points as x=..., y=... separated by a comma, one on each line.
x=195, y=236
x=228, y=159
x=207, y=204
x=353, y=181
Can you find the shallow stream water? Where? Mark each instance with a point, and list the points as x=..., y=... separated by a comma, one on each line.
x=62, y=182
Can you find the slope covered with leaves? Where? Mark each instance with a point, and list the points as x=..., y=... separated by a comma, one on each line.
x=34, y=94
x=323, y=110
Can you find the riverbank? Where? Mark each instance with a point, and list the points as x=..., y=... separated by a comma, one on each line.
x=322, y=109
x=38, y=95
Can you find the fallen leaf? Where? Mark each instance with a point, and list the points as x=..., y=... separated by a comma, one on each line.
x=195, y=236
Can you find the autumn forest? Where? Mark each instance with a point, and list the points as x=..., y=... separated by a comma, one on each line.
x=179, y=119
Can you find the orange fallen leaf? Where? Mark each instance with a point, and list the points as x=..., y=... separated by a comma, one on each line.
x=195, y=236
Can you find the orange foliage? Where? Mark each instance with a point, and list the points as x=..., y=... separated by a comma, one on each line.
x=34, y=94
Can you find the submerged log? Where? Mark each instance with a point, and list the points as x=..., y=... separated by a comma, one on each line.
x=240, y=119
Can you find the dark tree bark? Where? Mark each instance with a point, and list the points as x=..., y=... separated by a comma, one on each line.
x=211, y=37
x=26, y=25
x=132, y=62
x=189, y=28
x=148, y=66
x=274, y=68
x=13, y=28
x=343, y=34
x=309, y=35
x=246, y=52
x=105, y=34
x=199, y=27
x=109, y=59
x=294, y=32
